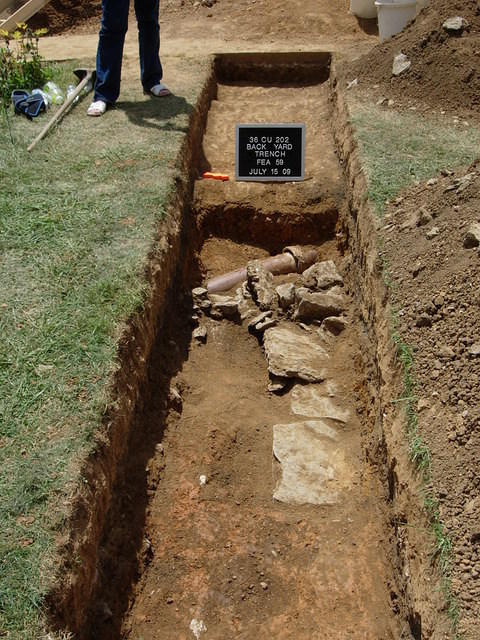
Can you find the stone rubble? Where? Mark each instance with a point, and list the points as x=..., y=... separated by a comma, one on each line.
x=258, y=319
x=199, y=294
x=291, y=354
x=286, y=295
x=276, y=384
x=318, y=306
x=298, y=321
x=322, y=275
x=260, y=284
x=432, y=233
x=400, y=64
x=456, y=24
x=268, y=323
x=200, y=334
x=311, y=401
x=334, y=324
x=224, y=306
x=317, y=294
x=472, y=237
x=306, y=452
x=205, y=306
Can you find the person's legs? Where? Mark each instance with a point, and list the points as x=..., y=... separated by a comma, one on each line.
x=110, y=49
x=149, y=42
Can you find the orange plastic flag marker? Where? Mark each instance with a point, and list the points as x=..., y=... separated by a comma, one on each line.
x=208, y=175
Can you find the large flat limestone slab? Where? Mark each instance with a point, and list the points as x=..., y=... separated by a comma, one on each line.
x=292, y=353
x=312, y=402
x=309, y=456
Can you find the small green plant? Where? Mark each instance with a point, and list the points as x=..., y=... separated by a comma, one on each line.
x=399, y=148
x=420, y=456
x=21, y=65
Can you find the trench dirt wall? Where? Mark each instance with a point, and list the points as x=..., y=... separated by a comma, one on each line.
x=78, y=574
x=94, y=508
x=416, y=574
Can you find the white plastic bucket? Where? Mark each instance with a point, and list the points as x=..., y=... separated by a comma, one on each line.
x=393, y=15
x=363, y=8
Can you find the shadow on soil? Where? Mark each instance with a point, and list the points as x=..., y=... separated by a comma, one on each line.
x=157, y=113
x=370, y=27
x=126, y=551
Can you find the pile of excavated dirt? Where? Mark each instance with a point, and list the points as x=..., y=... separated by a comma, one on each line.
x=444, y=70
x=63, y=15
x=246, y=20
x=436, y=272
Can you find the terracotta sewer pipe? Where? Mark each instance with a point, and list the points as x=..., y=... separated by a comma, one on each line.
x=292, y=259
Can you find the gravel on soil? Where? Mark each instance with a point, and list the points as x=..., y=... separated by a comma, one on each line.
x=437, y=294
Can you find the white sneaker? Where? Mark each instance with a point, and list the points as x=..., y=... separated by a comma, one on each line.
x=159, y=90
x=97, y=108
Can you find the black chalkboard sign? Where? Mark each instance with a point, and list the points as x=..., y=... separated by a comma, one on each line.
x=266, y=152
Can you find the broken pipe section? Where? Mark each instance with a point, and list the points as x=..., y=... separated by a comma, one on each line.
x=292, y=259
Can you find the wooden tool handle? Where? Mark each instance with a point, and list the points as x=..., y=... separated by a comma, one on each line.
x=68, y=102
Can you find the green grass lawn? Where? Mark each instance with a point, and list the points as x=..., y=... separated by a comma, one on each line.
x=398, y=148
x=77, y=218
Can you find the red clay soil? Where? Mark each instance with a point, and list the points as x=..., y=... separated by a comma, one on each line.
x=437, y=292
x=445, y=68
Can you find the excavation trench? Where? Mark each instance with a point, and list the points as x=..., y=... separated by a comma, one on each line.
x=251, y=503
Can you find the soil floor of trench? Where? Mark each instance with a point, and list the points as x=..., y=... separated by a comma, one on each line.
x=260, y=513
x=227, y=554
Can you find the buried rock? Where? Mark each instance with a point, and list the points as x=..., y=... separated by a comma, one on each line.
x=260, y=284
x=322, y=275
x=400, y=64
x=334, y=324
x=309, y=456
x=455, y=25
x=312, y=402
x=199, y=295
x=472, y=237
x=262, y=322
x=201, y=302
x=292, y=353
x=318, y=306
x=224, y=307
x=277, y=385
x=200, y=334
x=286, y=295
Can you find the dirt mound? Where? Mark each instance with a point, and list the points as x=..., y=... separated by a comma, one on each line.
x=436, y=289
x=83, y=16
x=444, y=72
x=63, y=15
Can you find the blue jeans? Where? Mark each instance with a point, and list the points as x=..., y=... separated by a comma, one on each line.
x=110, y=46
